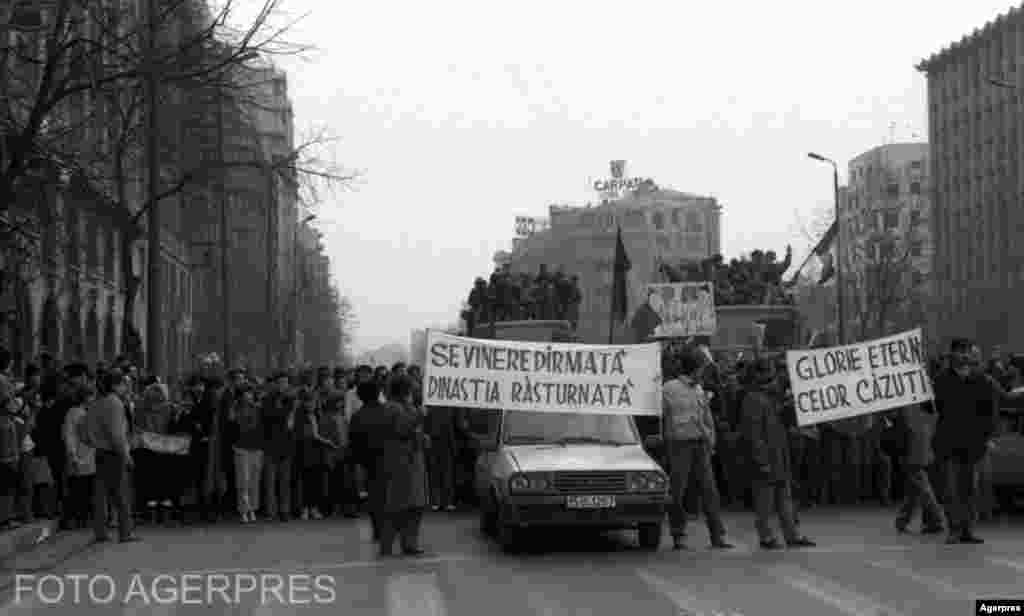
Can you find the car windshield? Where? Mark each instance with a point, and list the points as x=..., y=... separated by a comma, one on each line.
x=528, y=428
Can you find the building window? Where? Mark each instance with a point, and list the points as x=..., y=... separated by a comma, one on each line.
x=916, y=165
x=892, y=190
x=915, y=218
x=693, y=222
x=916, y=249
x=677, y=219
x=915, y=188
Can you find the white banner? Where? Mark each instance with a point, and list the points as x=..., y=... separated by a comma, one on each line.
x=685, y=309
x=869, y=377
x=542, y=377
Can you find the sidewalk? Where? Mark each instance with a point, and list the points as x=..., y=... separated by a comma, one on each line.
x=37, y=547
x=25, y=537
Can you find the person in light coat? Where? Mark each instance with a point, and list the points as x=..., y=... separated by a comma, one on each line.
x=81, y=458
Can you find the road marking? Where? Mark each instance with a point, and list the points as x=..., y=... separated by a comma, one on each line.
x=1005, y=562
x=843, y=599
x=688, y=603
x=415, y=595
x=292, y=567
x=933, y=583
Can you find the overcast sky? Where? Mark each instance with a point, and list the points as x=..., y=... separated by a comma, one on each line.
x=464, y=115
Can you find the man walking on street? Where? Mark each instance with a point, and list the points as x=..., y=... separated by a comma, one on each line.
x=968, y=412
x=689, y=434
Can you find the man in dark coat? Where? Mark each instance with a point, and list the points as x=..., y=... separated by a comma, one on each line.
x=365, y=433
x=440, y=427
x=968, y=412
x=764, y=430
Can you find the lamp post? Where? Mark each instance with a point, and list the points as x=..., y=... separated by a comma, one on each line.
x=840, y=307
x=295, y=296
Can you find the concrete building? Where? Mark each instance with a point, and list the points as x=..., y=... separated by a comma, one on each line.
x=886, y=240
x=976, y=130
x=657, y=224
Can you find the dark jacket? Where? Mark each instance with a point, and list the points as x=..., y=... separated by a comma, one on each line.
x=249, y=419
x=387, y=439
x=279, y=426
x=968, y=416
x=764, y=431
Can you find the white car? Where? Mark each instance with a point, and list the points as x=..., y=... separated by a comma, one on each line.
x=543, y=469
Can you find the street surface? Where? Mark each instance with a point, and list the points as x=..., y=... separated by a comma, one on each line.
x=862, y=567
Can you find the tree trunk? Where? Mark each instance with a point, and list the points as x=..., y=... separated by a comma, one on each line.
x=131, y=342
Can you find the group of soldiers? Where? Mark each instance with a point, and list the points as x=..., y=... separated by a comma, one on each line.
x=753, y=281
x=512, y=297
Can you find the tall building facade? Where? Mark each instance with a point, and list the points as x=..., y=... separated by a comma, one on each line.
x=886, y=240
x=658, y=225
x=976, y=132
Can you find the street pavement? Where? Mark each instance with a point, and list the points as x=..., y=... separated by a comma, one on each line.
x=862, y=567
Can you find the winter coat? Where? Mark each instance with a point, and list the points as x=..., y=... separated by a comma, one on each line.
x=81, y=457
x=766, y=436
x=387, y=439
x=968, y=416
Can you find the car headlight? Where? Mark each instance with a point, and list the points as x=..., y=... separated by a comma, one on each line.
x=647, y=481
x=529, y=482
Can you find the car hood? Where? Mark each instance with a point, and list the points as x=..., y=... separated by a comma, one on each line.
x=547, y=458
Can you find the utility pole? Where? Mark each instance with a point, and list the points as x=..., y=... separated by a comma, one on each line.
x=154, y=286
x=225, y=238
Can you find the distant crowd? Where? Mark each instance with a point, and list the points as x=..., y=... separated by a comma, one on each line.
x=512, y=297
x=109, y=446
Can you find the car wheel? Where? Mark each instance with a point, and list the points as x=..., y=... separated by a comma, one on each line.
x=649, y=536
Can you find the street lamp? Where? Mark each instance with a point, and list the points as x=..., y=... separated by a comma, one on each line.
x=840, y=312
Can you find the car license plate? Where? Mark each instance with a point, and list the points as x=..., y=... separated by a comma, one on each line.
x=590, y=502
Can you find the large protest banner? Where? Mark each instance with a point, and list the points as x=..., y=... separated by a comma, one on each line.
x=542, y=377
x=684, y=308
x=868, y=377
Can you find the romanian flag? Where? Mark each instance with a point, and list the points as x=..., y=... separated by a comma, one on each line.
x=825, y=251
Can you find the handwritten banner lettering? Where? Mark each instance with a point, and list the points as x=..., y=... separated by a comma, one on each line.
x=869, y=377
x=542, y=377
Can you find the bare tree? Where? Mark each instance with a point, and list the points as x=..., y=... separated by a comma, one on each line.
x=883, y=286
x=72, y=100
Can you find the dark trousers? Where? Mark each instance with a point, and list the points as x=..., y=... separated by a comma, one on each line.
x=441, y=471
x=314, y=488
x=692, y=460
x=918, y=494
x=10, y=484
x=277, y=486
x=344, y=493
x=58, y=464
x=78, y=502
x=403, y=524
x=774, y=498
x=962, y=483
x=26, y=503
x=808, y=478
x=112, y=487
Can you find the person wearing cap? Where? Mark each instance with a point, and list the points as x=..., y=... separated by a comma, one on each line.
x=968, y=409
x=764, y=430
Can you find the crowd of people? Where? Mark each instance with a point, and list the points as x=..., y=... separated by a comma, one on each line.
x=513, y=297
x=743, y=447
x=107, y=446
x=754, y=281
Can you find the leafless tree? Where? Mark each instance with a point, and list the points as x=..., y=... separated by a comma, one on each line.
x=73, y=101
x=882, y=286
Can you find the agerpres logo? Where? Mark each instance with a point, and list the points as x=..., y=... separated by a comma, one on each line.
x=999, y=606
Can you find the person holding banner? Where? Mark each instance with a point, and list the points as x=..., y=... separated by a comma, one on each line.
x=689, y=436
x=765, y=433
